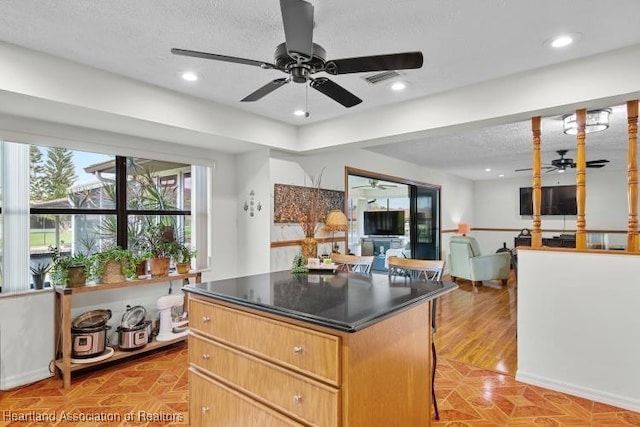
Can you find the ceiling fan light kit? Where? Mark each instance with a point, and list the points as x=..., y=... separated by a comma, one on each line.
x=596, y=121
x=300, y=58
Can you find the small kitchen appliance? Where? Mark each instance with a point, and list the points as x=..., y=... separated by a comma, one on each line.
x=133, y=332
x=171, y=329
x=89, y=334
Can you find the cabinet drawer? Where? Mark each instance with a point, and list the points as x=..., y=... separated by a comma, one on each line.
x=213, y=404
x=294, y=394
x=311, y=352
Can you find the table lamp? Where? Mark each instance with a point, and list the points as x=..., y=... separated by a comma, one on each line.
x=336, y=221
x=463, y=229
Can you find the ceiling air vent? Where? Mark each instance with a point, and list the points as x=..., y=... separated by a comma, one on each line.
x=380, y=77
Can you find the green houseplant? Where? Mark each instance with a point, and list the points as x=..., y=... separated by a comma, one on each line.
x=112, y=265
x=157, y=240
x=69, y=270
x=38, y=273
x=182, y=255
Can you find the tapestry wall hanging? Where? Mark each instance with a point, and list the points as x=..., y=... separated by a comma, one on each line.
x=292, y=200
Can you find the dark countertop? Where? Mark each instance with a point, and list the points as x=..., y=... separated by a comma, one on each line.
x=344, y=301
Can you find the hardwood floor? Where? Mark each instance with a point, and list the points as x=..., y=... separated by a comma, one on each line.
x=477, y=325
x=475, y=386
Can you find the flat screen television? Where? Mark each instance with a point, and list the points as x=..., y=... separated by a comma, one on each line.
x=556, y=200
x=384, y=223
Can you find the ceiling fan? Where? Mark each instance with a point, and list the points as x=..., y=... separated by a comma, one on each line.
x=374, y=183
x=561, y=164
x=300, y=58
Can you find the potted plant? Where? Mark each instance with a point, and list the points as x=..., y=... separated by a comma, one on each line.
x=182, y=256
x=38, y=273
x=112, y=265
x=140, y=261
x=68, y=270
x=158, y=241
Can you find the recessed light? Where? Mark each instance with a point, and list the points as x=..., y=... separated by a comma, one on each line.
x=301, y=113
x=501, y=175
x=397, y=86
x=562, y=40
x=487, y=170
x=189, y=76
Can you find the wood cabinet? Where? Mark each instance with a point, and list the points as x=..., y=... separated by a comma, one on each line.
x=63, y=304
x=284, y=371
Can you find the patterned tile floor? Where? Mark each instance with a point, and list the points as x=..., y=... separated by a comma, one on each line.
x=475, y=397
x=152, y=391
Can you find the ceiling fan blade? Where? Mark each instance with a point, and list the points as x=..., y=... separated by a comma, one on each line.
x=394, y=61
x=265, y=90
x=297, y=18
x=335, y=92
x=596, y=165
x=543, y=167
x=205, y=55
x=593, y=162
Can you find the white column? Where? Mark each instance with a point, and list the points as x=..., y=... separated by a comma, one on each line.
x=15, y=216
x=200, y=176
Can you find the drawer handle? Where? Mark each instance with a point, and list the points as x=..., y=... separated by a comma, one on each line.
x=205, y=410
x=206, y=319
x=206, y=356
x=297, y=349
x=297, y=399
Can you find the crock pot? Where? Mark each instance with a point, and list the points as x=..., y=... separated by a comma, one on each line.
x=133, y=332
x=135, y=337
x=88, y=342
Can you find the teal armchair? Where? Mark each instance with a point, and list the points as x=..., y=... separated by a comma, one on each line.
x=466, y=262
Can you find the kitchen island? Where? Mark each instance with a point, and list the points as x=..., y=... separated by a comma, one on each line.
x=328, y=350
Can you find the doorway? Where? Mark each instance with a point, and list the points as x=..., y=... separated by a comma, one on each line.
x=419, y=203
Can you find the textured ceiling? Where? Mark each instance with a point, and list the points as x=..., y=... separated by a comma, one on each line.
x=463, y=42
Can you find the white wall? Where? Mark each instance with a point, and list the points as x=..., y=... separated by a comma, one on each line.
x=26, y=337
x=456, y=194
x=496, y=205
x=578, y=323
x=253, y=236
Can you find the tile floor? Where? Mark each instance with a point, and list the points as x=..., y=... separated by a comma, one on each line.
x=152, y=391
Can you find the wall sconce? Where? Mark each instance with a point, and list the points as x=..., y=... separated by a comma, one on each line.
x=463, y=229
x=252, y=205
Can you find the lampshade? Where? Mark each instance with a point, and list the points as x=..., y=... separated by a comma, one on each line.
x=596, y=120
x=463, y=228
x=336, y=221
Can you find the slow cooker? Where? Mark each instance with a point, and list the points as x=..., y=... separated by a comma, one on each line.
x=88, y=342
x=134, y=331
x=89, y=334
x=133, y=338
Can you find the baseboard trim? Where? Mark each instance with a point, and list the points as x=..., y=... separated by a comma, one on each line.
x=8, y=383
x=587, y=393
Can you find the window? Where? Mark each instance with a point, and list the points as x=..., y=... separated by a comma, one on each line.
x=85, y=202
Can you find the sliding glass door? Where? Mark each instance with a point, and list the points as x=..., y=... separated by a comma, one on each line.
x=425, y=222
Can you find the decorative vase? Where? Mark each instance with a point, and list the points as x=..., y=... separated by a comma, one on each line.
x=38, y=281
x=182, y=267
x=159, y=266
x=112, y=272
x=76, y=276
x=310, y=247
x=141, y=268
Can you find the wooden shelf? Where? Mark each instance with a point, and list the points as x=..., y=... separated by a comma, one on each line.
x=92, y=287
x=63, y=303
x=122, y=354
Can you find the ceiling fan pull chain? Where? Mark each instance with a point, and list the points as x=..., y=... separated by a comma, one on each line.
x=306, y=100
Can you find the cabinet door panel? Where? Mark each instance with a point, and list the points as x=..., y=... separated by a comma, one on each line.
x=304, y=350
x=213, y=404
x=288, y=391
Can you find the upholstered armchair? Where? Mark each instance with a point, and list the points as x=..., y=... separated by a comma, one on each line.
x=466, y=262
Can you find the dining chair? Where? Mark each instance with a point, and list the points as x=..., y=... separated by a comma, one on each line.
x=419, y=269
x=354, y=263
